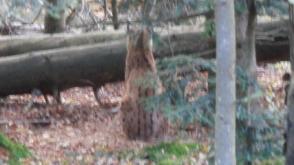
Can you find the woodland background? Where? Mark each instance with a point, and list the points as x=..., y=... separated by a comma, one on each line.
x=73, y=51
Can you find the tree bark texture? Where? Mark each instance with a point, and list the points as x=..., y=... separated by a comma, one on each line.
x=62, y=69
x=225, y=120
x=23, y=44
x=246, y=59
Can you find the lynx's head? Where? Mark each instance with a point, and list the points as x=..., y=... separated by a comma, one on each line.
x=140, y=39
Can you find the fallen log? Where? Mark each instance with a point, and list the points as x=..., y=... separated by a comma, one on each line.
x=90, y=65
x=62, y=69
x=97, y=64
x=23, y=44
x=13, y=45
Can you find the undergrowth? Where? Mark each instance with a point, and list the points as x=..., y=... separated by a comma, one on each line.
x=16, y=151
x=198, y=105
x=165, y=153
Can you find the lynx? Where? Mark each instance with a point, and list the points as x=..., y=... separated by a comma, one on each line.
x=141, y=69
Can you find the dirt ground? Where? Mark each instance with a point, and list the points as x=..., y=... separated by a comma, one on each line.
x=55, y=132
x=79, y=130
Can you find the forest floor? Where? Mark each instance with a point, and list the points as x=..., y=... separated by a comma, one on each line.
x=82, y=132
x=77, y=132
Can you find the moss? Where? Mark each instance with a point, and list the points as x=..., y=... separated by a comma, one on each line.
x=274, y=161
x=170, y=153
x=16, y=151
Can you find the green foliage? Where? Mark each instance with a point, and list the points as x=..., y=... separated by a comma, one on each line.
x=16, y=151
x=240, y=6
x=264, y=136
x=13, y=10
x=274, y=161
x=272, y=7
x=170, y=153
x=135, y=2
x=56, y=9
x=177, y=73
x=200, y=5
x=209, y=28
x=165, y=153
x=259, y=140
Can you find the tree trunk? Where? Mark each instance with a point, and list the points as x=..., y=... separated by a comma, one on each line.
x=20, y=44
x=245, y=26
x=114, y=14
x=55, y=20
x=290, y=100
x=225, y=121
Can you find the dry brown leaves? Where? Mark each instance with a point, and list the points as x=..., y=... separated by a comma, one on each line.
x=77, y=129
